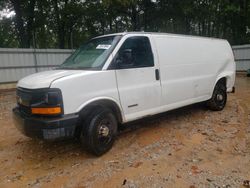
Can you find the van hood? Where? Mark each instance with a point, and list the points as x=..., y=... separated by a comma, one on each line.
x=44, y=79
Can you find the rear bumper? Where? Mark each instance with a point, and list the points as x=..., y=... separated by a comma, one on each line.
x=45, y=128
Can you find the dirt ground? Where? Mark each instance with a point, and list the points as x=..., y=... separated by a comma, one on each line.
x=190, y=147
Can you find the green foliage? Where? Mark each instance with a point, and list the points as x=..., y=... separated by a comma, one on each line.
x=6, y=34
x=68, y=23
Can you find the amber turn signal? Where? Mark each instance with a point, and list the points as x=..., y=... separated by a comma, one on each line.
x=46, y=111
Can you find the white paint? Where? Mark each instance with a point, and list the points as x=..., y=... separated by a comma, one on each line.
x=44, y=79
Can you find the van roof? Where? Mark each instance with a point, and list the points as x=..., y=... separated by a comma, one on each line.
x=159, y=33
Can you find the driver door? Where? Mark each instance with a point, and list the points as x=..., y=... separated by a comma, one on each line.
x=138, y=78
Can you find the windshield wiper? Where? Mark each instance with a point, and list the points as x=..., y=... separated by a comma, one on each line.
x=79, y=68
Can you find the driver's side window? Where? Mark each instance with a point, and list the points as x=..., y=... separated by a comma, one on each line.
x=135, y=52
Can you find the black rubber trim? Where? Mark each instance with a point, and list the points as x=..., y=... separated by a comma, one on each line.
x=45, y=128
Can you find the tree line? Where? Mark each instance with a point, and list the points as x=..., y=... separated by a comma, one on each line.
x=68, y=23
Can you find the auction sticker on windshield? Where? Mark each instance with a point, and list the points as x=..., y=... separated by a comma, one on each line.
x=103, y=46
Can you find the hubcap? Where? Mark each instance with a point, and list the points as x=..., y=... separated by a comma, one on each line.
x=104, y=131
x=219, y=97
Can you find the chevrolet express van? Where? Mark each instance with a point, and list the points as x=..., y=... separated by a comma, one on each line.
x=118, y=78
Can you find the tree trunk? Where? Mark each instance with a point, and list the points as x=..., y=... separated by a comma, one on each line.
x=134, y=18
x=30, y=22
x=199, y=28
x=19, y=22
x=187, y=25
x=60, y=27
x=110, y=25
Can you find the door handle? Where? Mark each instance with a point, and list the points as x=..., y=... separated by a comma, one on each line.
x=157, y=74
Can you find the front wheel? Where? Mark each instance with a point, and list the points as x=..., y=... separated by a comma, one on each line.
x=219, y=98
x=100, y=131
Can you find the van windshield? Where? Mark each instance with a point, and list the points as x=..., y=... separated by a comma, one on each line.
x=92, y=55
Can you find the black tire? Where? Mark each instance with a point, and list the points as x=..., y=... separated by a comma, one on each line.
x=99, y=131
x=219, y=97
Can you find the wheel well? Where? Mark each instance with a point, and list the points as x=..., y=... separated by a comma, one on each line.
x=105, y=103
x=223, y=81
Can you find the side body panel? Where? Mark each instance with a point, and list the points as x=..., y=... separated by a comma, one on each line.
x=190, y=67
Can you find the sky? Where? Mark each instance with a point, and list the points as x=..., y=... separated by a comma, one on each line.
x=6, y=13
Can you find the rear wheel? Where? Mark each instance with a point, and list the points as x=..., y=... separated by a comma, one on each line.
x=219, y=97
x=100, y=131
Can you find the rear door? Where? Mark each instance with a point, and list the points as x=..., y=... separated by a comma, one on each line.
x=138, y=78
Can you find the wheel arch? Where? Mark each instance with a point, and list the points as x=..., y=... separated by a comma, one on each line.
x=105, y=102
x=221, y=78
x=220, y=90
x=225, y=78
x=90, y=106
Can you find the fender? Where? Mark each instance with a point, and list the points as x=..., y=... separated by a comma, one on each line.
x=230, y=77
x=95, y=100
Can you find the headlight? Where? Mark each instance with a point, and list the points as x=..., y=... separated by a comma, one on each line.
x=53, y=98
x=47, y=102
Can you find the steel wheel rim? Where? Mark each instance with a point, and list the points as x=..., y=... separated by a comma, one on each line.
x=104, y=134
x=220, y=98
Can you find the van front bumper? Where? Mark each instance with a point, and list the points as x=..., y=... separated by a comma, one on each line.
x=45, y=128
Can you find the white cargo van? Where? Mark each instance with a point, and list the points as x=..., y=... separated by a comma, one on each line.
x=118, y=78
